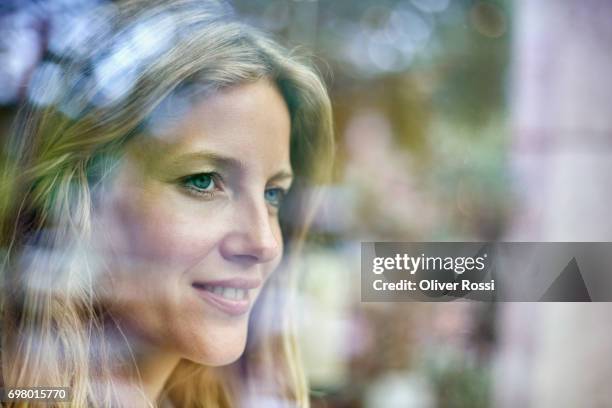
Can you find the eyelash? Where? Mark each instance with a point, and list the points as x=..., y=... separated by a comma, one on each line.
x=217, y=181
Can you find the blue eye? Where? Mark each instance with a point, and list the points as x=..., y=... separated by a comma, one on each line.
x=274, y=196
x=202, y=182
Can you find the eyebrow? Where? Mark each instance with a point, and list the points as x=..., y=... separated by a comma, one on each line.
x=223, y=162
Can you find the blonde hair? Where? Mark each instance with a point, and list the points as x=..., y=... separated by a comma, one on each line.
x=51, y=324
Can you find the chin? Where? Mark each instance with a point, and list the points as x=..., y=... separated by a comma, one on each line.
x=223, y=351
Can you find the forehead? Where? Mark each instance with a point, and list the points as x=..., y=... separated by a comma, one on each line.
x=249, y=122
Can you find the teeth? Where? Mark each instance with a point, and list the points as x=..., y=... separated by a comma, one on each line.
x=228, y=293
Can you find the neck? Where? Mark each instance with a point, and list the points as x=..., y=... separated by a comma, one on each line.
x=154, y=369
x=139, y=370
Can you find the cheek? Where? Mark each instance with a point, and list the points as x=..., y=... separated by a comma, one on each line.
x=163, y=230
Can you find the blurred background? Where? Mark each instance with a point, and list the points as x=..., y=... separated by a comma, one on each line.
x=456, y=120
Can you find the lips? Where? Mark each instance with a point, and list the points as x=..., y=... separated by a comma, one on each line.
x=231, y=296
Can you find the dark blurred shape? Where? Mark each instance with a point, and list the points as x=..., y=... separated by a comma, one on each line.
x=488, y=19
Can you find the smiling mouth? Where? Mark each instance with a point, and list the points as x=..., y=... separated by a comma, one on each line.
x=230, y=297
x=225, y=292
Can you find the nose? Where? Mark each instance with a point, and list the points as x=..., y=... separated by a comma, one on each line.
x=252, y=238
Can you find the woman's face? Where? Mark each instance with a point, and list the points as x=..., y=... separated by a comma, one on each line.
x=189, y=226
